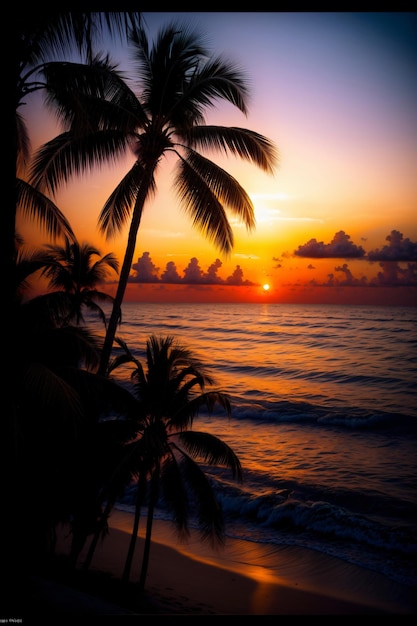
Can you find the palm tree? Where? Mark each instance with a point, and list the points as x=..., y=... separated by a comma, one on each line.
x=58, y=444
x=53, y=403
x=43, y=36
x=42, y=408
x=171, y=392
x=39, y=37
x=73, y=269
x=102, y=118
x=42, y=423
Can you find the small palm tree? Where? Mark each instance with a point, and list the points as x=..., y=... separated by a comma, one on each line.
x=73, y=269
x=171, y=392
x=102, y=118
x=44, y=418
x=56, y=436
x=53, y=400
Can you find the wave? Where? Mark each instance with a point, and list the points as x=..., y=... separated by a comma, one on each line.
x=278, y=517
x=301, y=412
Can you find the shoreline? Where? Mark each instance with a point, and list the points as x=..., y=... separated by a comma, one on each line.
x=242, y=578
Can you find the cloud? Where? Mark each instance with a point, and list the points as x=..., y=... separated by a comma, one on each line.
x=398, y=249
x=237, y=278
x=339, y=248
x=147, y=272
x=392, y=275
x=251, y=257
x=349, y=280
x=193, y=274
x=170, y=275
x=211, y=276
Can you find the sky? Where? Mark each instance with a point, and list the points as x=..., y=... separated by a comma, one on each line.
x=337, y=222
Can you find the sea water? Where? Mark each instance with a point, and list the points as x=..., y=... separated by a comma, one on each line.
x=324, y=422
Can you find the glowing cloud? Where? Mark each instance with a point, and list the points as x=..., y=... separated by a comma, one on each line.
x=340, y=247
x=399, y=249
x=147, y=272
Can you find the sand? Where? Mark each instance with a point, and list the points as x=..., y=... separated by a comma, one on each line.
x=242, y=578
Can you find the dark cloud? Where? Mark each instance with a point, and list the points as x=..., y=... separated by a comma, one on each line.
x=349, y=280
x=391, y=275
x=211, y=275
x=339, y=248
x=193, y=274
x=237, y=278
x=170, y=275
x=146, y=272
x=398, y=249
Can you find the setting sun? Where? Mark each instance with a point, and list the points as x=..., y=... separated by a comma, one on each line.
x=265, y=287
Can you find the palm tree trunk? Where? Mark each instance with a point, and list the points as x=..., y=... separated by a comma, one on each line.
x=96, y=537
x=146, y=551
x=139, y=493
x=145, y=187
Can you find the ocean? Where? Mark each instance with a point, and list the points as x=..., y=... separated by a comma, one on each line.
x=324, y=422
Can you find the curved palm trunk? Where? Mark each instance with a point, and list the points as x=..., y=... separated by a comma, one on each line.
x=145, y=187
x=149, y=521
x=93, y=545
x=139, y=494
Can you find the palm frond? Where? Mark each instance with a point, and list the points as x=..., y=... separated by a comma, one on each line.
x=175, y=494
x=38, y=206
x=209, y=512
x=217, y=79
x=69, y=154
x=211, y=450
x=89, y=301
x=225, y=187
x=94, y=96
x=209, y=399
x=52, y=33
x=49, y=394
x=27, y=263
x=109, y=260
x=103, y=399
x=203, y=206
x=242, y=142
x=165, y=68
x=44, y=312
x=122, y=359
x=119, y=205
x=23, y=145
x=76, y=345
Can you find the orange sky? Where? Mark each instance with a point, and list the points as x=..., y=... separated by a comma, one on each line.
x=337, y=93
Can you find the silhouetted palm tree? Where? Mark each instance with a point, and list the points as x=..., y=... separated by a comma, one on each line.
x=60, y=448
x=53, y=403
x=40, y=37
x=44, y=416
x=171, y=391
x=103, y=117
x=75, y=269
x=42, y=410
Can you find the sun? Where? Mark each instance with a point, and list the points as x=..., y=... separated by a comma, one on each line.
x=265, y=287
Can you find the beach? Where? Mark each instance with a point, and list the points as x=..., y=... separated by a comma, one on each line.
x=324, y=520
x=190, y=578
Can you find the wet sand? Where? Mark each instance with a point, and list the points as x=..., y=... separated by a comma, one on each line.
x=242, y=578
